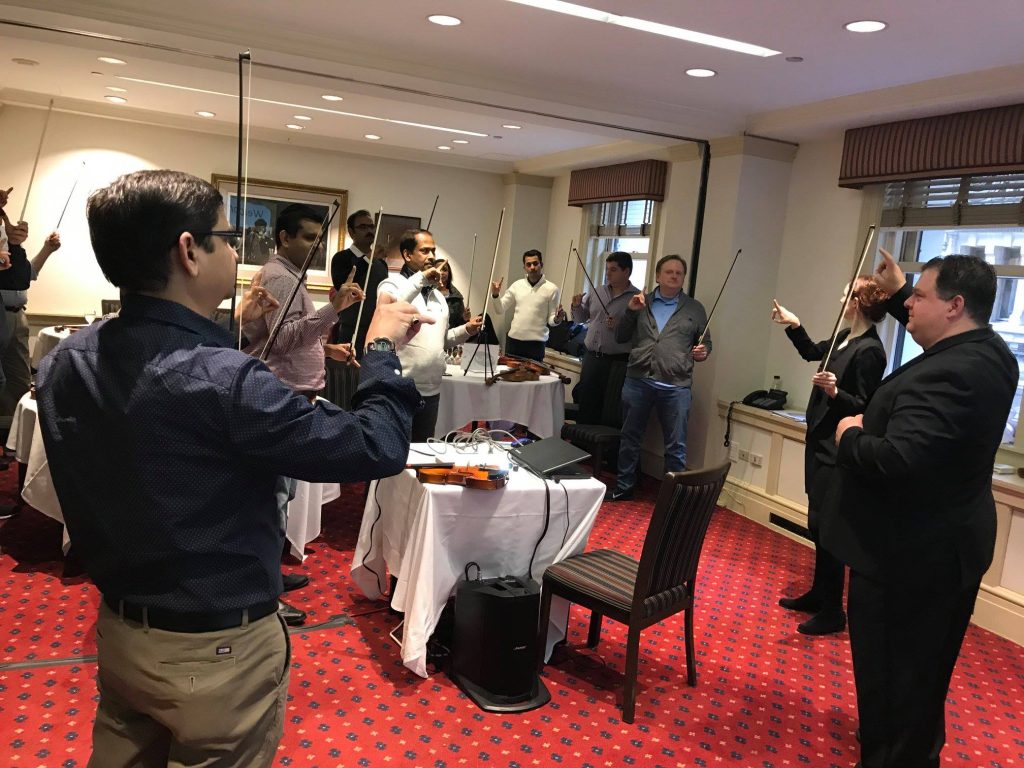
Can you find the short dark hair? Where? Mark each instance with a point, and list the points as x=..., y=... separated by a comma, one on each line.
x=290, y=219
x=967, y=276
x=260, y=221
x=534, y=252
x=134, y=223
x=408, y=242
x=350, y=222
x=665, y=259
x=623, y=259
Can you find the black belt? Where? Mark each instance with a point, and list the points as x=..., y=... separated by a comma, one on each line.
x=173, y=621
x=623, y=356
x=15, y=309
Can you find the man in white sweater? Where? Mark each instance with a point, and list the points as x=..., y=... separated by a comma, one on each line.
x=423, y=357
x=534, y=303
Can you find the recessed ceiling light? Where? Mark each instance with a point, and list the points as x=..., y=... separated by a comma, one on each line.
x=700, y=72
x=111, y=60
x=116, y=99
x=372, y=137
x=512, y=127
x=459, y=141
x=115, y=89
x=294, y=127
x=642, y=25
x=204, y=113
x=445, y=147
x=302, y=117
x=865, y=26
x=306, y=107
x=331, y=97
x=795, y=59
x=26, y=62
x=444, y=21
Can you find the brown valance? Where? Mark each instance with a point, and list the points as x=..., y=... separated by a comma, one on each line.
x=640, y=180
x=980, y=141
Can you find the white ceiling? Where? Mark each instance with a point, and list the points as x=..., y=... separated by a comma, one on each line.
x=936, y=55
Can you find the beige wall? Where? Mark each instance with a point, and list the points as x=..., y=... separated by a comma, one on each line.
x=470, y=200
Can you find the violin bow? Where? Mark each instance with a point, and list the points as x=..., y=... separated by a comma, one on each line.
x=430, y=220
x=243, y=144
x=324, y=228
x=720, y=292
x=589, y=280
x=849, y=294
x=366, y=280
x=565, y=272
x=35, y=163
x=472, y=266
x=70, y=194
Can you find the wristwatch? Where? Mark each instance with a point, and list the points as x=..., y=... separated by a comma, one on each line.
x=380, y=344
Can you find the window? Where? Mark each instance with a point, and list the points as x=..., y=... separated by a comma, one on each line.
x=623, y=226
x=971, y=215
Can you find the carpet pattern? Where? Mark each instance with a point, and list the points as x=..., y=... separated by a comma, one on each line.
x=767, y=697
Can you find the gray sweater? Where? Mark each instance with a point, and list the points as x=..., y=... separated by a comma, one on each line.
x=667, y=356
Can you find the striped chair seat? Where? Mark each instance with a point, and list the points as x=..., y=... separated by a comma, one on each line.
x=603, y=574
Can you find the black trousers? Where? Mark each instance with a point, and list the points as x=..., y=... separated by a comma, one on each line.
x=425, y=419
x=829, y=571
x=905, y=637
x=595, y=373
x=532, y=350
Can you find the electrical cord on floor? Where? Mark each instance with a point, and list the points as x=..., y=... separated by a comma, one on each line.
x=543, y=533
x=380, y=586
x=566, y=534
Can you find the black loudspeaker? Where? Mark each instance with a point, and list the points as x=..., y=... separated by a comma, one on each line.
x=494, y=644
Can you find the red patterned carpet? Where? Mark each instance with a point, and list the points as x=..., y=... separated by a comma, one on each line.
x=767, y=696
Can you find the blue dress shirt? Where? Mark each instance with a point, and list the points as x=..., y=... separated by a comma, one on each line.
x=165, y=443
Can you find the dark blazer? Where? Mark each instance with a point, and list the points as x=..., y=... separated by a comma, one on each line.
x=341, y=265
x=917, y=479
x=858, y=368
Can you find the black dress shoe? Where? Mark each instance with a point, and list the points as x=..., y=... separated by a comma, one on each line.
x=616, y=495
x=825, y=623
x=808, y=602
x=294, y=581
x=292, y=616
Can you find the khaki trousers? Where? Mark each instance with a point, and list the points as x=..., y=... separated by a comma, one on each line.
x=16, y=366
x=211, y=699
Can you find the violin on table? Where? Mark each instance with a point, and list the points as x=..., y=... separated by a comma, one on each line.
x=523, y=369
x=483, y=478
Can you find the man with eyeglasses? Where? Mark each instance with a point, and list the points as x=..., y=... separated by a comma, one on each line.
x=165, y=443
x=298, y=353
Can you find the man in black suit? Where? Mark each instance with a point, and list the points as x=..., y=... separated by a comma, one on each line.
x=343, y=378
x=917, y=522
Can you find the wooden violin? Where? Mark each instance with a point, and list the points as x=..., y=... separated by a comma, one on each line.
x=482, y=478
x=524, y=369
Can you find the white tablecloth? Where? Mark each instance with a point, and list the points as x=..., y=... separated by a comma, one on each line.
x=427, y=534
x=46, y=340
x=540, y=405
x=26, y=440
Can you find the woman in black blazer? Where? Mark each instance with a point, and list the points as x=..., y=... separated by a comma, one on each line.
x=854, y=372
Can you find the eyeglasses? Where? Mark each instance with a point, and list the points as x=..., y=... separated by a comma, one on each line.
x=231, y=236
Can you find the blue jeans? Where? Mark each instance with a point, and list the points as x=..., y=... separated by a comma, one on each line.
x=673, y=406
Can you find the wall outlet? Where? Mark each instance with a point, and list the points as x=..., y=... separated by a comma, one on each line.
x=734, y=453
x=744, y=455
x=756, y=459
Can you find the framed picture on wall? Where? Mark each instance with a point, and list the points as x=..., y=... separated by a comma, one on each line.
x=263, y=200
x=391, y=229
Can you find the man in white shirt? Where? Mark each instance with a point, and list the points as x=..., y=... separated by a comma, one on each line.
x=534, y=303
x=423, y=357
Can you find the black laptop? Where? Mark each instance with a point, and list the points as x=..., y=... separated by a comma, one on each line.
x=551, y=458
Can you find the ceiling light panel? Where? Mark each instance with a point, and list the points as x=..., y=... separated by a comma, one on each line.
x=643, y=25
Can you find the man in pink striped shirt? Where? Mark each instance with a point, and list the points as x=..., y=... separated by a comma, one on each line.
x=297, y=357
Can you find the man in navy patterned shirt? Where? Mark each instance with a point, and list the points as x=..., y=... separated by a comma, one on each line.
x=165, y=443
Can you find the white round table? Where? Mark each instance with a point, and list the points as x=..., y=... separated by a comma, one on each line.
x=539, y=405
x=48, y=338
